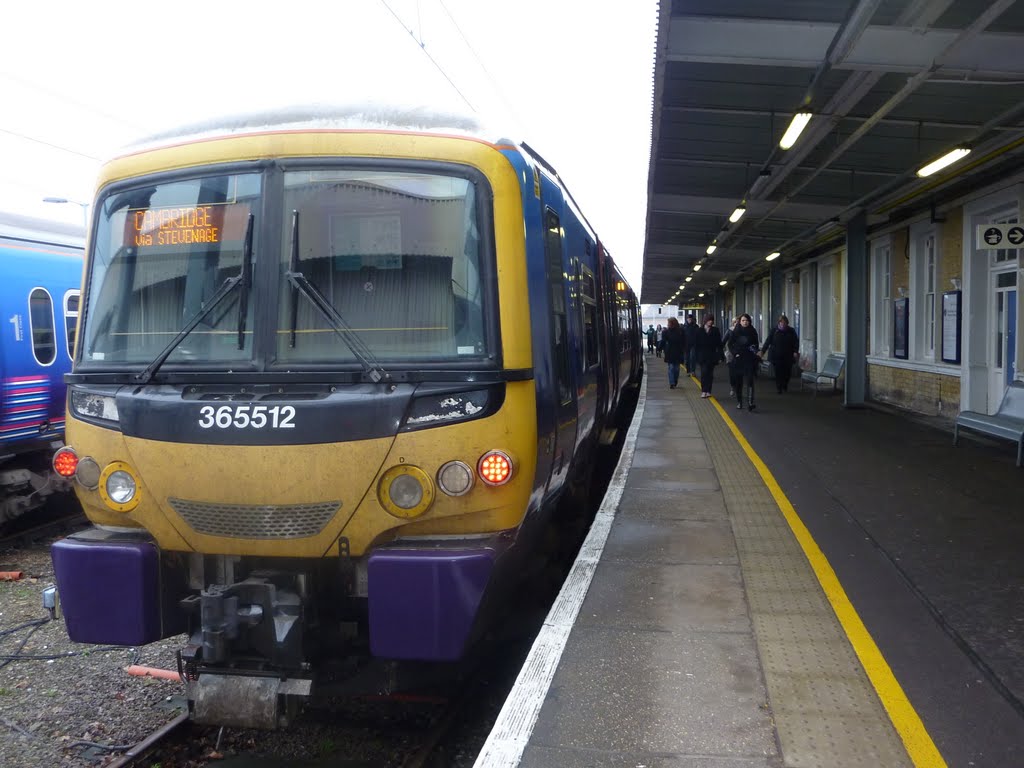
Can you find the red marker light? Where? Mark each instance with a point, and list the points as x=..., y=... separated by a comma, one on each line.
x=65, y=462
x=494, y=468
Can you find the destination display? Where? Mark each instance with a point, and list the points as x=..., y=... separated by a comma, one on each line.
x=193, y=225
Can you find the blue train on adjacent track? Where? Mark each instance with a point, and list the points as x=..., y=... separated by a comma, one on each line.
x=41, y=268
x=337, y=375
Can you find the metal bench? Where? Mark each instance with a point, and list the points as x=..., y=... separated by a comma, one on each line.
x=831, y=371
x=1007, y=422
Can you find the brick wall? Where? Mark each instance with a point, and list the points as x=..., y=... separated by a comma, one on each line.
x=932, y=394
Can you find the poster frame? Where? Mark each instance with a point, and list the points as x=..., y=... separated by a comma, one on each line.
x=901, y=328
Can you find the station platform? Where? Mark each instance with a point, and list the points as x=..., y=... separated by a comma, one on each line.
x=802, y=585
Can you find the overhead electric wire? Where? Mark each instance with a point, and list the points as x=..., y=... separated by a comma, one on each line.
x=494, y=83
x=427, y=54
x=47, y=144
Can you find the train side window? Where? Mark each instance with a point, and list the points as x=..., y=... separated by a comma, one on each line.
x=589, y=304
x=71, y=299
x=41, y=326
x=553, y=254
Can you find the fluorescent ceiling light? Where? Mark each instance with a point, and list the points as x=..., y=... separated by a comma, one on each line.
x=696, y=267
x=711, y=249
x=689, y=278
x=759, y=182
x=737, y=214
x=723, y=282
x=796, y=127
x=772, y=256
x=942, y=162
x=701, y=295
x=681, y=287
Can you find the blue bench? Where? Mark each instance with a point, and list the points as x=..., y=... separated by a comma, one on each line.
x=1007, y=422
x=831, y=371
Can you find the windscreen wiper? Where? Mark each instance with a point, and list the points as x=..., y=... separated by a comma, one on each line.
x=299, y=283
x=243, y=299
x=243, y=278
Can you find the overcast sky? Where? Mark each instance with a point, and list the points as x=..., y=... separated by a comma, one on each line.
x=573, y=78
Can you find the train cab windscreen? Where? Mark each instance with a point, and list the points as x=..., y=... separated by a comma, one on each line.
x=392, y=260
x=160, y=254
x=397, y=254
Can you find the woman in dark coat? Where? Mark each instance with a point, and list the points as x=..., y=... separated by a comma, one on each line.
x=709, y=354
x=783, y=347
x=673, y=344
x=742, y=344
x=735, y=378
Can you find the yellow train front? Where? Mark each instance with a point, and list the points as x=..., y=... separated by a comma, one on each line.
x=328, y=379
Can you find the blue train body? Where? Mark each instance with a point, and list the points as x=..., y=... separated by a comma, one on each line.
x=41, y=264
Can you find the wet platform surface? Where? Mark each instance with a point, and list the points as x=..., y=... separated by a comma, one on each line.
x=856, y=601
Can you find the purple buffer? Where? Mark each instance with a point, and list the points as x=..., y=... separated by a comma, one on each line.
x=423, y=602
x=109, y=591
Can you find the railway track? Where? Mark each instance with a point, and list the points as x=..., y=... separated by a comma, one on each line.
x=22, y=533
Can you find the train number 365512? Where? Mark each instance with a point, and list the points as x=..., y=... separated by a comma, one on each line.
x=247, y=417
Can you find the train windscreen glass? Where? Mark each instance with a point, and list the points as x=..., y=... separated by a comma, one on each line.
x=396, y=253
x=161, y=252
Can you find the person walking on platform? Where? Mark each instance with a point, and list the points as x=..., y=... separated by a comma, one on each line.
x=657, y=340
x=650, y=339
x=690, y=331
x=673, y=344
x=709, y=354
x=742, y=344
x=729, y=359
x=783, y=348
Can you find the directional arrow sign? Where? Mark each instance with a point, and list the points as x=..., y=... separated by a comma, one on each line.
x=992, y=236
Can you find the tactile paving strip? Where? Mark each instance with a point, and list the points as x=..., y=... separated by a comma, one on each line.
x=826, y=712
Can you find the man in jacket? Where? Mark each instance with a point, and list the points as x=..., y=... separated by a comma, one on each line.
x=690, y=330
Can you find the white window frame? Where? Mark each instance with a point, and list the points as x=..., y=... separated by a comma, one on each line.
x=881, y=296
x=924, y=323
x=929, y=304
x=70, y=314
x=32, y=329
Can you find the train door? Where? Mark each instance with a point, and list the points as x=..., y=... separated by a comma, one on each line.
x=564, y=389
x=611, y=335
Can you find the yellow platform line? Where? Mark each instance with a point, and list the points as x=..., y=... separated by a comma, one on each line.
x=904, y=717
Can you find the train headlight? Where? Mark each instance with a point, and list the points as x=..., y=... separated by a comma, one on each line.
x=92, y=405
x=118, y=487
x=495, y=468
x=442, y=407
x=65, y=462
x=88, y=473
x=455, y=478
x=405, y=491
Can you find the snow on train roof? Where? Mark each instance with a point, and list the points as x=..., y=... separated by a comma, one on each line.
x=17, y=227
x=327, y=116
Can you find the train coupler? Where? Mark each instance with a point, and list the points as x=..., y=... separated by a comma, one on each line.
x=244, y=701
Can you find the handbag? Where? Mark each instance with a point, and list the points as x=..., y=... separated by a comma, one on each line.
x=729, y=356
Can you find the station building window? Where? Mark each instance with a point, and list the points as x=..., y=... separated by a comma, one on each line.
x=881, y=310
x=924, y=293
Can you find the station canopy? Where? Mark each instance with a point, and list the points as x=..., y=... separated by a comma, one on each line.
x=890, y=86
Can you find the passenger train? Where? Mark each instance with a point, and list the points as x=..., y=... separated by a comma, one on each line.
x=335, y=376
x=41, y=265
